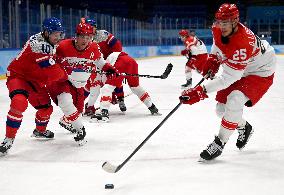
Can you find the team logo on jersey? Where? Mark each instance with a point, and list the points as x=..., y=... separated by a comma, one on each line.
x=92, y=55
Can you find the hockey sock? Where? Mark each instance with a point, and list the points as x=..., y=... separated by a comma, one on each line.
x=94, y=94
x=42, y=118
x=143, y=95
x=119, y=92
x=106, y=96
x=19, y=104
x=226, y=130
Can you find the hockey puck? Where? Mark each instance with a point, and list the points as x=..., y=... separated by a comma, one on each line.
x=109, y=186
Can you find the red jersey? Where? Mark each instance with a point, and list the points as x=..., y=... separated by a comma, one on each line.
x=107, y=42
x=195, y=45
x=79, y=64
x=35, y=62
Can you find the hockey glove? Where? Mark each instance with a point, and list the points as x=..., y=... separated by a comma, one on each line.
x=110, y=70
x=184, y=52
x=193, y=95
x=211, y=66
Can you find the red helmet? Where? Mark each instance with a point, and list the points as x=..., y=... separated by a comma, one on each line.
x=84, y=29
x=183, y=33
x=227, y=12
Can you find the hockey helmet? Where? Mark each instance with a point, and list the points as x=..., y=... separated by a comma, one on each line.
x=92, y=22
x=84, y=29
x=183, y=33
x=52, y=25
x=227, y=12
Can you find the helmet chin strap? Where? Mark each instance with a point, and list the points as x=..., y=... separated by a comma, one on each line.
x=46, y=38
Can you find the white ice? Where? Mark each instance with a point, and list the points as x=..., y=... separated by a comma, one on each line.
x=167, y=163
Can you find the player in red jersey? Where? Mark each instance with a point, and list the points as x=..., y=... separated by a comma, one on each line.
x=123, y=63
x=27, y=76
x=79, y=57
x=108, y=43
x=196, y=53
x=248, y=70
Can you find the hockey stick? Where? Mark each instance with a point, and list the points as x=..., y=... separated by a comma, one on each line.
x=108, y=167
x=162, y=76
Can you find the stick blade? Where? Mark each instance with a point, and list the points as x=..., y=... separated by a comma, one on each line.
x=167, y=71
x=108, y=167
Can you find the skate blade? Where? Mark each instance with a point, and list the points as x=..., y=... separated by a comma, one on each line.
x=81, y=142
x=3, y=154
x=95, y=120
x=157, y=114
x=41, y=138
x=202, y=160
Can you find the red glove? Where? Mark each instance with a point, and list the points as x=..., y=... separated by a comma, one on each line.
x=184, y=52
x=212, y=65
x=110, y=70
x=193, y=95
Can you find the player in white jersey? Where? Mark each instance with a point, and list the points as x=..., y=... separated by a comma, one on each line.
x=196, y=53
x=248, y=70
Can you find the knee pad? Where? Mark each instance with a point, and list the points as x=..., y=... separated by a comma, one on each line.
x=19, y=103
x=236, y=100
x=139, y=91
x=107, y=90
x=65, y=102
x=220, y=110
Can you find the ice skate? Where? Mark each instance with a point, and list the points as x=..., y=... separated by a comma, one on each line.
x=89, y=110
x=121, y=104
x=67, y=126
x=103, y=116
x=6, y=145
x=45, y=135
x=79, y=138
x=154, y=110
x=245, y=133
x=212, y=151
x=188, y=84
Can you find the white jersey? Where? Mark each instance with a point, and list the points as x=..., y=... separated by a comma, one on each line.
x=244, y=55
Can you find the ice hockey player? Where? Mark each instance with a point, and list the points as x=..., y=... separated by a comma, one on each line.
x=108, y=43
x=79, y=57
x=248, y=70
x=123, y=63
x=196, y=53
x=27, y=76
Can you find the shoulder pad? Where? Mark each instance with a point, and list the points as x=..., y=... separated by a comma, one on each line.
x=101, y=35
x=39, y=45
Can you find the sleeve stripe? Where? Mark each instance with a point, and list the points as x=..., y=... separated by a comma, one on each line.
x=42, y=58
x=110, y=39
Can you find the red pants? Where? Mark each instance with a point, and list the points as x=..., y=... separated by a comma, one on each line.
x=37, y=96
x=253, y=86
x=125, y=64
x=56, y=88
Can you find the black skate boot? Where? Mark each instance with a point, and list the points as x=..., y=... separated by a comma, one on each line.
x=67, y=126
x=244, y=135
x=6, y=145
x=212, y=151
x=187, y=84
x=79, y=138
x=101, y=117
x=154, y=110
x=46, y=134
x=121, y=104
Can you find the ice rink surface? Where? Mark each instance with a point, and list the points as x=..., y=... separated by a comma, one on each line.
x=167, y=163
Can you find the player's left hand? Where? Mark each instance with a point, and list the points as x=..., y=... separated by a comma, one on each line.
x=110, y=70
x=184, y=52
x=193, y=95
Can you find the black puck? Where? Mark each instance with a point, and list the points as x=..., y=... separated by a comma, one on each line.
x=109, y=186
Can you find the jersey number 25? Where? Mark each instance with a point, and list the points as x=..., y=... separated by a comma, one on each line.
x=240, y=54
